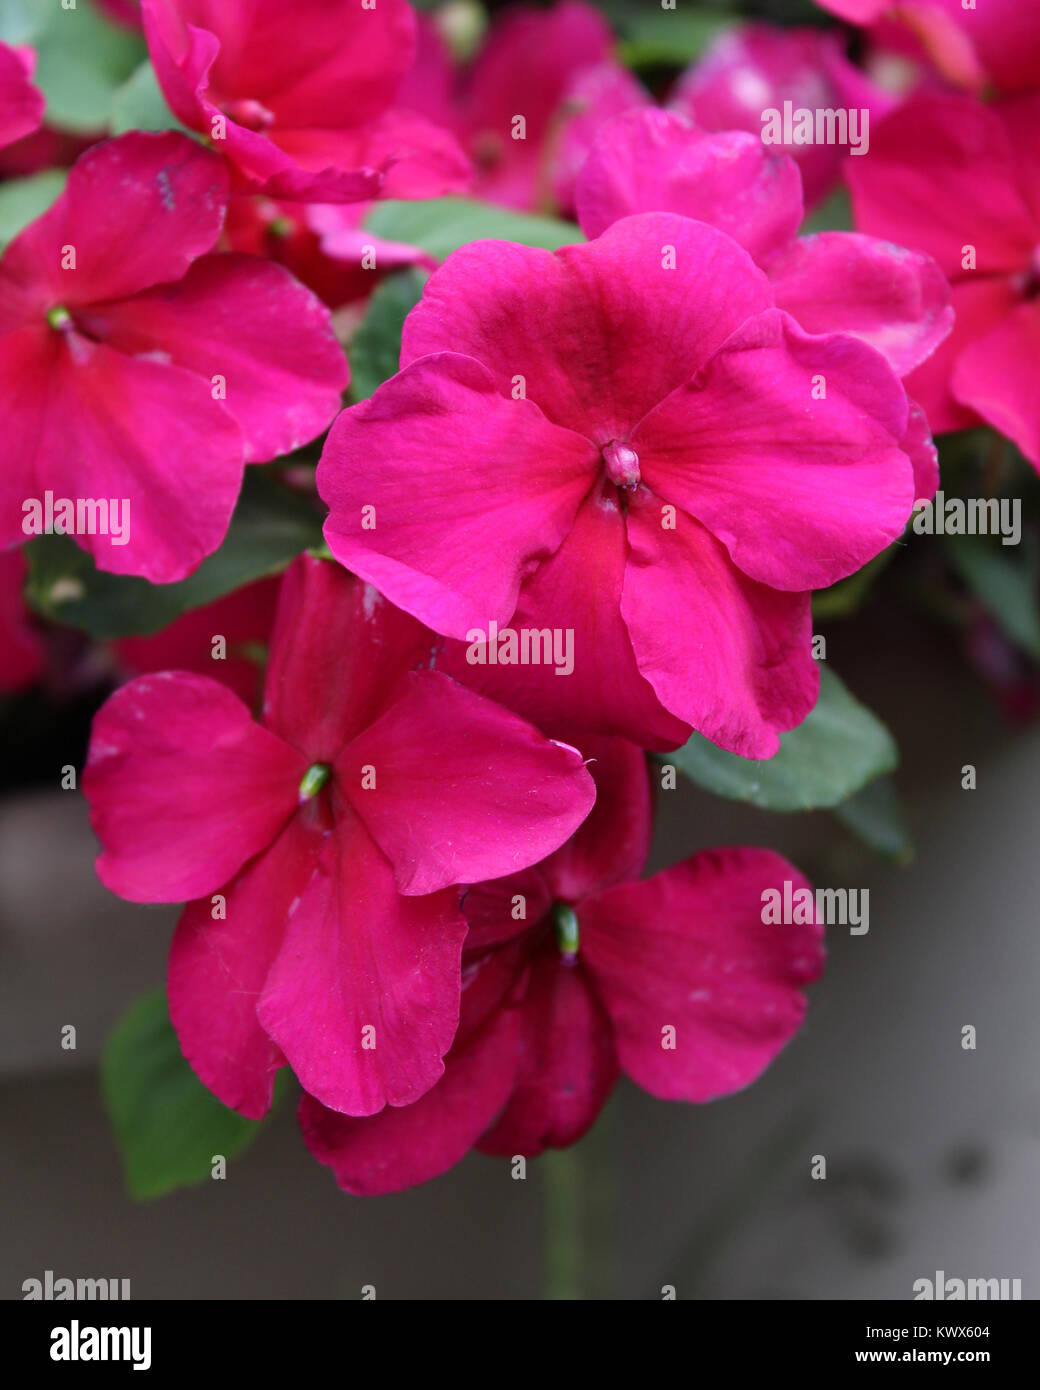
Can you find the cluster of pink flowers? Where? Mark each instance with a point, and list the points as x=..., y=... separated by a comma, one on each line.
x=414, y=876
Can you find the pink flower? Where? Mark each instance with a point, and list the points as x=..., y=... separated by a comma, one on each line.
x=323, y=244
x=833, y=282
x=22, y=656
x=523, y=73
x=142, y=372
x=754, y=67
x=676, y=981
x=21, y=105
x=621, y=441
x=959, y=180
x=319, y=846
x=301, y=97
x=996, y=38
x=243, y=619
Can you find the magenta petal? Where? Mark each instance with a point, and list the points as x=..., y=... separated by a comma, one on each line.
x=980, y=305
x=138, y=210
x=919, y=448
x=688, y=950
x=21, y=105
x=337, y=656
x=728, y=655
x=595, y=97
x=578, y=590
x=567, y=1067
x=801, y=491
x=420, y=477
x=998, y=375
x=88, y=422
x=403, y=1146
x=248, y=322
x=929, y=160
x=840, y=282
x=217, y=970
x=613, y=842
x=183, y=787
x=464, y=790
x=399, y=1148
x=363, y=998
x=658, y=161
x=598, y=332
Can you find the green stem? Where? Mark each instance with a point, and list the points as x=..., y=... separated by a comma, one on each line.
x=561, y=1178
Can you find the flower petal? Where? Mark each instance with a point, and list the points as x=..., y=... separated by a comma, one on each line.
x=248, y=322
x=136, y=211
x=802, y=491
x=218, y=966
x=577, y=591
x=598, y=332
x=728, y=655
x=658, y=161
x=93, y=426
x=688, y=950
x=363, y=998
x=459, y=789
x=338, y=654
x=410, y=1144
x=183, y=787
x=840, y=282
x=444, y=494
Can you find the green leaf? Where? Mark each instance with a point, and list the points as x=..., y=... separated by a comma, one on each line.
x=168, y=1126
x=831, y=755
x=140, y=105
x=23, y=200
x=376, y=349
x=877, y=817
x=670, y=38
x=441, y=225
x=82, y=58
x=1007, y=585
x=271, y=526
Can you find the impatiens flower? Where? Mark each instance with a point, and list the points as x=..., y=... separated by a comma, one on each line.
x=319, y=846
x=752, y=68
x=21, y=645
x=506, y=107
x=301, y=97
x=524, y=70
x=139, y=372
x=959, y=180
x=573, y=972
x=833, y=282
x=998, y=39
x=625, y=441
x=226, y=639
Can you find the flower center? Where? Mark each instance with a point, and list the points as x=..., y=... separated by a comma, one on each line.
x=565, y=927
x=59, y=318
x=249, y=113
x=1031, y=279
x=313, y=780
x=622, y=464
